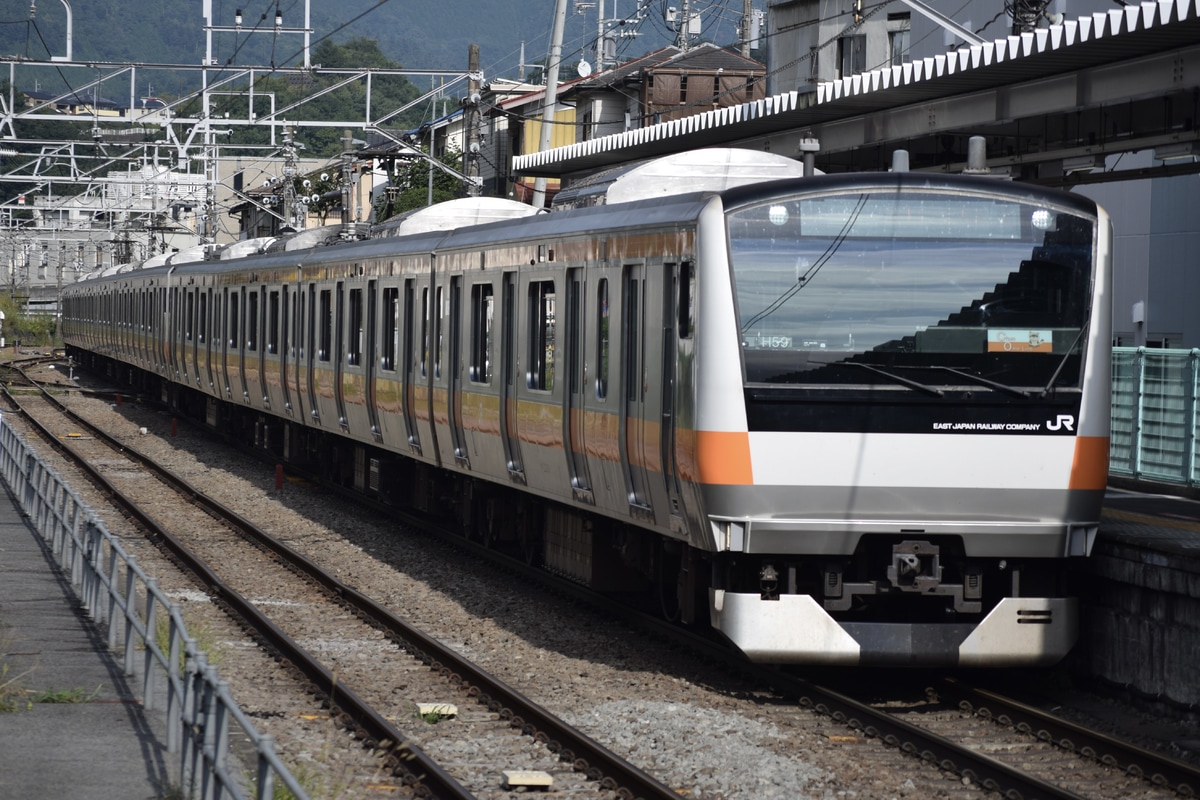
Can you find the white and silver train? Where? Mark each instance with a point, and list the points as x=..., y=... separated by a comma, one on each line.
x=856, y=420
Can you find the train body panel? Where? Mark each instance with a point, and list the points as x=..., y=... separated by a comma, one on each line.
x=863, y=418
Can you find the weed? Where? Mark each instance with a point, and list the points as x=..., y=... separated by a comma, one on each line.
x=76, y=695
x=13, y=697
x=207, y=640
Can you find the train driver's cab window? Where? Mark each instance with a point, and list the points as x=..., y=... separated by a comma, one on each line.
x=541, y=336
x=482, y=307
x=602, y=339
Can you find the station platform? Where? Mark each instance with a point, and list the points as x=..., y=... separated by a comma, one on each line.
x=94, y=741
x=1140, y=596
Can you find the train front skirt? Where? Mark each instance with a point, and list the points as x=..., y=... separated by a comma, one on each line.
x=795, y=628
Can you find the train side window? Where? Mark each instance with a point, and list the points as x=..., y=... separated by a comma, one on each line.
x=189, y=320
x=424, y=331
x=437, y=335
x=354, y=347
x=541, y=336
x=482, y=309
x=602, y=339
x=252, y=321
x=391, y=329
x=687, y=297
x=273, y=323
x=203, y=328
x=234, y=343
x=326, y=323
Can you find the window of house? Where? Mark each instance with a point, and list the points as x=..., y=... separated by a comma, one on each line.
x=852, y=55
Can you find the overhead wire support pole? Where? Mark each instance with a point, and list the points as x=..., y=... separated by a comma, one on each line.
x=70, y=27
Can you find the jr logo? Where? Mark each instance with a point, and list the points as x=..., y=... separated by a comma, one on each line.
x=1064, y=421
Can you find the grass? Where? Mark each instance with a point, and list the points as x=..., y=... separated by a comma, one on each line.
x=76, y=695
x=13, y=696
x=207, y=641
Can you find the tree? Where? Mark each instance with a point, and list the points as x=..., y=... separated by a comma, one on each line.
x=322, y=192
x=409, y=188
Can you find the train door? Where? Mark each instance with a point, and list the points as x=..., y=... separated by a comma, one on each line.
x=371, y=361
x=228, y=342
x=454, y=366
x=245, y=340
x=189, y=335
x=255, y=347
x=634, y=428
x=676, y=324
x=286, y=345
x=272, y=356
x=207, y=313
x=170, y=328
x=508, y=387
x=339, y=355
x=310, y=326
x=573, y=397
x=411, y=369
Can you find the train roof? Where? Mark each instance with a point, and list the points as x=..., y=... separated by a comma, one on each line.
x=707, y=169
x=454, y=214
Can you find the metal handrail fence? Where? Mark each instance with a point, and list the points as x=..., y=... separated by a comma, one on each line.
x=1154, y=415
x=118, y=594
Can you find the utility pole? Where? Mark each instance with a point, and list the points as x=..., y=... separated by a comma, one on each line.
x=288, y=193
x=685, y=22
x=556, y=37
x=745, y=31
x=347, y=179
x=474, y=84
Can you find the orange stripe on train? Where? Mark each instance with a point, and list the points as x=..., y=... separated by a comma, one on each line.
x=724, y=458
x=1090, y=468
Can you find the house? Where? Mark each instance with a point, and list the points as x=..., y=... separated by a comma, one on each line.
x=661, y=86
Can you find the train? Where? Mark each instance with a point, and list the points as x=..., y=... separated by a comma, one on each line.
x=847, y=420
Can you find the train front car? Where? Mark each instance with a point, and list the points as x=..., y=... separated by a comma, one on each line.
x=902, y=419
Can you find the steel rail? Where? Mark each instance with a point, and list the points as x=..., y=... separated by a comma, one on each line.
x=950, y=756
x=586, y=755
x=420, y=772
x=1155, y=767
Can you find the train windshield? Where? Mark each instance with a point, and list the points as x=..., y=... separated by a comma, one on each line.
x=912, y=287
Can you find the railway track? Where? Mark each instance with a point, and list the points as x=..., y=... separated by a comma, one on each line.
x=998, y=743
x=991, y=750
x=258, y=565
